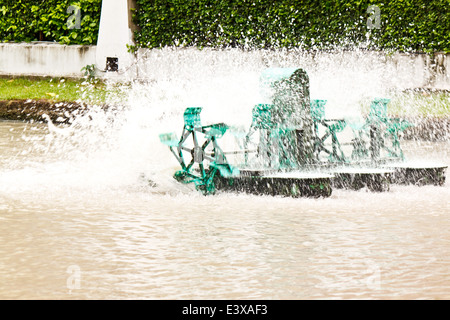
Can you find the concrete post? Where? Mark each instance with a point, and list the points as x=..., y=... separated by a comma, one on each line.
x=113, y=60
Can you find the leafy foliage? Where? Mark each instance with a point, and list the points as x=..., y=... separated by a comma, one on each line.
x=405, y=25
x=47, y=20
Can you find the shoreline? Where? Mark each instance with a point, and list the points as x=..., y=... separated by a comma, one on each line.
x=33, y=110
x=430, y=128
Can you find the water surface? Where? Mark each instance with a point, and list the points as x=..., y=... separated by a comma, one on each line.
x=97, y=230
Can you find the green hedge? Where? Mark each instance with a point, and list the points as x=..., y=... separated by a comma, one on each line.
x=406, y=25
x=34, y=20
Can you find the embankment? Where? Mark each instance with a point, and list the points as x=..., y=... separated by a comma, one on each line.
x=424, y=128
x=32, y=110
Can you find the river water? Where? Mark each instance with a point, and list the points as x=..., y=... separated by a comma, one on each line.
x=79, y=219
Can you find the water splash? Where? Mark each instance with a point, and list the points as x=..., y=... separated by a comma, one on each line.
x=78, y=195
x=119, y=146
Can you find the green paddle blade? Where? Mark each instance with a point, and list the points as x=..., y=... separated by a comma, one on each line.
x=169, y=139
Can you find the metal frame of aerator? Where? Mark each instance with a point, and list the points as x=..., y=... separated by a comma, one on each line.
x=208, y=164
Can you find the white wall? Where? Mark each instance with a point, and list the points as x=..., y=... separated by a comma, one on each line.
x=45, y=59
x=403, y=71
x=399, y=70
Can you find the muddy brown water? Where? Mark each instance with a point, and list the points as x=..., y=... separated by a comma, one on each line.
x=71, y=230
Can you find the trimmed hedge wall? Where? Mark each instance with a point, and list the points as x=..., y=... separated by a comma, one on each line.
x=405, y=25
x=46, y=20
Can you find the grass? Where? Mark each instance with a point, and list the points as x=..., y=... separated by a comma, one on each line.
x=53, y=89
x=404, y=104
x=415, y=103
x=421, y=104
